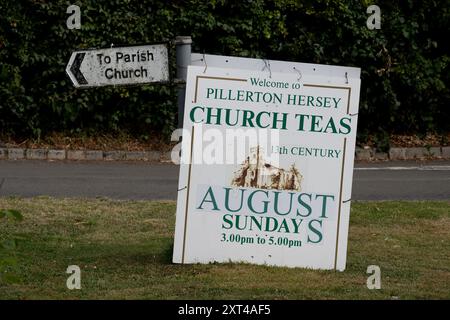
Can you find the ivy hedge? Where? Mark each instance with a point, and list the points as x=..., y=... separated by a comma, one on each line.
x=404, y=64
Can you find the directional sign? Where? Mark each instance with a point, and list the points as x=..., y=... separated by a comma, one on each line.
x=119, y=66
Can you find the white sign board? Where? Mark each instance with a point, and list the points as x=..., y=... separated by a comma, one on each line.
x=119, y=66
x=267, y=165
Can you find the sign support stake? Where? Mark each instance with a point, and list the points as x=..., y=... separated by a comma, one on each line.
x=187, y=193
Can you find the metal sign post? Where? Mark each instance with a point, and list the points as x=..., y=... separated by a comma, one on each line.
x=183, y=53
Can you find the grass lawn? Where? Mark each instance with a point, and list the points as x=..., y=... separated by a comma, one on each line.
x=124, y=250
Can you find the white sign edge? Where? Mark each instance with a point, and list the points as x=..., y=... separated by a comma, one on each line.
x=198, y=59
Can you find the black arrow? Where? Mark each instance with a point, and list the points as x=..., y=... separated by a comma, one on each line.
x=75, y=68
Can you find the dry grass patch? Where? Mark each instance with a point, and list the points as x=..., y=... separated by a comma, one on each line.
x=124, y=250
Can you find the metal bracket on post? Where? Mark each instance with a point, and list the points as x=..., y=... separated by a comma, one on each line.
x=183, y=53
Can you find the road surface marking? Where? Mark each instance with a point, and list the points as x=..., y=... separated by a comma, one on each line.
x=425, y=168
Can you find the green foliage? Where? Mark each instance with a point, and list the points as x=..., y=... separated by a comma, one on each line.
x=12, y=214
x=404, y=65
x=8, y=261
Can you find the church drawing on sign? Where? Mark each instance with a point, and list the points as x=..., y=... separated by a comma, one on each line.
x=255, y=172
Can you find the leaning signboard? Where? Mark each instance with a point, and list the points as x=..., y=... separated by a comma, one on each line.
x=266, y=172
x=119, y=66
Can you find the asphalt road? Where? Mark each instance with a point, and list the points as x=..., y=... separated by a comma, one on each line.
x=125, y=180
